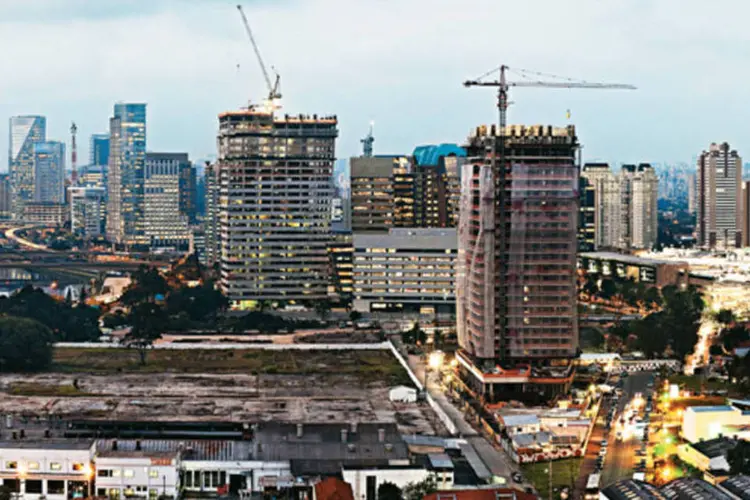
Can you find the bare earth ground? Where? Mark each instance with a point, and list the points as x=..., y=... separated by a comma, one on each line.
x=237, y=385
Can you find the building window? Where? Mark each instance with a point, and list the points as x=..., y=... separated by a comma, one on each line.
x=55, y=487
x=188, y=478
x=11, y=465
x=153, y=473
x=33, y=465
x=78, y=467
x=128, y=473
x=101, y=492
x=104, y=473
x=153, y=493
x=34, y=486
x=55, y=466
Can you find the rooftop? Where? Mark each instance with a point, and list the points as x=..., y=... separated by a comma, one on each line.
x=220, y=450
x=49, y=444
x=687, y=488
x=515, y=420
x=711, y=409
x=630, y=259
x=715, y=447
x=630, y=489
x=738, y=485
x=481, y=494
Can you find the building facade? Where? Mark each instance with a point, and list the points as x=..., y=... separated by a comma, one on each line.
x=405, y=270
x=718, y=197
x=274, y=205
x=99, y=149
x=127, y=159
x=639, y=187
x=619, y=211
x=188, y=191
x=25, y=131
x=342, y=263
x=49, y=172
x=516, y=283
x=164, y=223
x=211, y=219
x=87, y=205
x=372, y=192
x=42, y=212
x=5, y=197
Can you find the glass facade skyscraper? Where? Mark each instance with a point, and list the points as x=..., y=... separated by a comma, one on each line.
x=99, y=152
x=125, y=204
x=49, y=172
x=25, y=131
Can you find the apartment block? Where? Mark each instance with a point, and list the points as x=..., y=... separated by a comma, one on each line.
x=516, y=287
x=49, y=172
x=274, y=176
x=5, y=197
x=718, y=198
x=87, y=210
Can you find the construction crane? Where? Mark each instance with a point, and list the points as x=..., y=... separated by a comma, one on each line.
x=274, y=90
x=73, y=154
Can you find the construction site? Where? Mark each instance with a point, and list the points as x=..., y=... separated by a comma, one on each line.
x=217, y=385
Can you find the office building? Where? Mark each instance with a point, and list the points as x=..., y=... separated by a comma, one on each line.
x=274, y=205
x=94, y=176
x=341, y=251
x=718, y=198
x=5, y=197
x=405, y=270
x=188, y=191
x=516, y=277
x=618, y=211
x=44, y=212
x=211, y=219
x=164, y=224
x=99, y=149
x=49, y=172
x=125, y=195
x=401, y=191
x=25, y=131
x=692, y=193
x=87, y=205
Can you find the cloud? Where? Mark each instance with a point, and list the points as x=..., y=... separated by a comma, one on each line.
x=400, y=63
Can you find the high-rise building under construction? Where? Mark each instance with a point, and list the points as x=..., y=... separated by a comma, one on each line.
x=516, y=285
x=274, y=204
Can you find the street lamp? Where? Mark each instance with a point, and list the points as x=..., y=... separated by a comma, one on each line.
x=88, y=472
x=434, y=361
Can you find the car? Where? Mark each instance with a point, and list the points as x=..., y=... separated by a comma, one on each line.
x=604, y=443
x=517, y=477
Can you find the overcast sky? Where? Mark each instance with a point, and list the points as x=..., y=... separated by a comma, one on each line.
x=397, y=62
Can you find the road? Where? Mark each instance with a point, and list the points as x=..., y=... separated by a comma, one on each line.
x=494, y=458
x=621, y=458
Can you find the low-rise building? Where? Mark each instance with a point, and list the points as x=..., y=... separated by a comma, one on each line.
x=630, y=489
x=136, y=473
x=406, y=270
x=649, y=271
x=690, y=488
x=738, y=486
x=53, y=214
x=700, y=423
x=51, y=469
x=710, y=455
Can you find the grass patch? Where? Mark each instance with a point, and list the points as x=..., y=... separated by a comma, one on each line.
x=367, y=366
x=39, y=389
x=564, y=473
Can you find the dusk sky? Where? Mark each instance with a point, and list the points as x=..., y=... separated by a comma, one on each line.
x=397, y=62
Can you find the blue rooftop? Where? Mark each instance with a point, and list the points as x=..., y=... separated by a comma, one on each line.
x=707, y=409
x=431, y=154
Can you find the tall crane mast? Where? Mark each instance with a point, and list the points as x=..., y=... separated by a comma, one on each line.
x=73, y=154
x=274, y=90
x=367, y=142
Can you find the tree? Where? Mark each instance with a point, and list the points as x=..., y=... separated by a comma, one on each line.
x=418, y=490
x=6, y=493
x=652, y=298
x=608, y=288
x=146, y=284
x=739, y=458
x=323, y=309
x=591, y=338
x=148, y=320
x=389, y=491
x=415, y=335
x=724, y=316
x=733, y=336
x=590, y=287
x=25, y=345
x=355, y=316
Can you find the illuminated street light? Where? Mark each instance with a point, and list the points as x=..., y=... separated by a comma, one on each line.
x=666, y=474
x=436, y=360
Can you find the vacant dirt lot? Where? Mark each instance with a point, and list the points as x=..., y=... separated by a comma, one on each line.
x=238, y=385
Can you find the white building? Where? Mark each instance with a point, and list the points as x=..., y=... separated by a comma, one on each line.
x=701, y=423
x=137, y=474
x=51, y=469
x=87, y=207
x=520, y=424
x=406, y=270
x=403, y=394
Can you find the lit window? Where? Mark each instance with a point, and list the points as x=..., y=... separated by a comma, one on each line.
x=12, y=465
x=55, y=466
x=128, y=473
x=33, y=465
x=153, y=473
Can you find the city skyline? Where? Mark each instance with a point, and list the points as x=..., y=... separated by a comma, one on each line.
x=186, y=61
